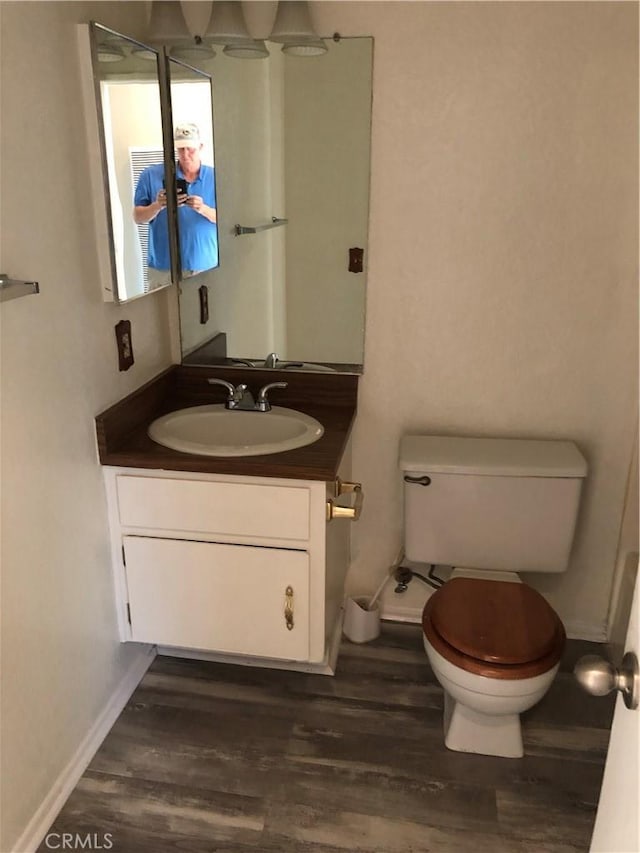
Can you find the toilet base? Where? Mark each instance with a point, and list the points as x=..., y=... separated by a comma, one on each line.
x=466, y=730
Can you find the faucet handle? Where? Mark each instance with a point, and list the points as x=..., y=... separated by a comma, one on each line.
x=244, y=361
x=227, y=385
x=263, y=404
x=239, y=392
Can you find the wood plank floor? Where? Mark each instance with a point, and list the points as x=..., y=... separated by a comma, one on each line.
x=218, y=758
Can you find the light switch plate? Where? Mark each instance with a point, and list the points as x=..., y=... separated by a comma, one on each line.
x=125, y=346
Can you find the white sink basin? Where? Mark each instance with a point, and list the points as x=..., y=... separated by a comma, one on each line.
x=216, y=431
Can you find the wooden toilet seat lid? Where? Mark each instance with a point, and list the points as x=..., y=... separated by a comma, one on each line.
x=494, y=623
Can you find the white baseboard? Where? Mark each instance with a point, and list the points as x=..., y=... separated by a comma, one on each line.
x=59, y=792
x=323, y=667
x=408, y=606
x=577, y=630
x=327, y=666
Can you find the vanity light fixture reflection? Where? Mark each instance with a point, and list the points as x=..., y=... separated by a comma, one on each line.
x=193, y=52
x=294, y=30
x=167, y=26
x=253, y=49
x=227, y=26
x=110, y=50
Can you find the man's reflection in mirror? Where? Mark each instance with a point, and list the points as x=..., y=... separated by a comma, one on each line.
x=197, y=224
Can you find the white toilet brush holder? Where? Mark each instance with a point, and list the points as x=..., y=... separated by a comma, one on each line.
x=361, y=621
x=362, y=616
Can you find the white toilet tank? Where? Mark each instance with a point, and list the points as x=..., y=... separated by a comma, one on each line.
x=485, y=503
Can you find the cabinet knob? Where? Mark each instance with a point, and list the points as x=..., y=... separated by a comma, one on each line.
x=599, y=677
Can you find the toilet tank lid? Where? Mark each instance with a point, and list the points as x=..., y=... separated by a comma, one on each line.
x=503, y=457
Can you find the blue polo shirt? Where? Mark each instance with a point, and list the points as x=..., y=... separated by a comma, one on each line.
x=198, y=238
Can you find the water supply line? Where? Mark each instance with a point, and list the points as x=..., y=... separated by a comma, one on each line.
x=390, y=574
x=404, y=575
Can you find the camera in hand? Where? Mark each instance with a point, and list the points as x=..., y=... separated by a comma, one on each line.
x=182, y=186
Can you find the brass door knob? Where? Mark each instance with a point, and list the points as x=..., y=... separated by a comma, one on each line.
x=599, y=677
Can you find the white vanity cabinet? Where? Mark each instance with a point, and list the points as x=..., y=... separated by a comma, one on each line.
x=226, y=566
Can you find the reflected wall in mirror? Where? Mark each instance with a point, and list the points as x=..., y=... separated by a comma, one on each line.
x=192, y=116
x=292, y=142
x=127, y=118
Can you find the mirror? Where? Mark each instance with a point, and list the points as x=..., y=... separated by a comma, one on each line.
x=125, y=106
x=290, y=172
x=192, y=121
x=157, y=203
x=293, y=144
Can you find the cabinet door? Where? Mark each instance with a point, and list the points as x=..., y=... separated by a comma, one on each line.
x=225, y=598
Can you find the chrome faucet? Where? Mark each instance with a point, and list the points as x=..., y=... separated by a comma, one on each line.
x=272, y=360
x=239, y=395
x=241, y=399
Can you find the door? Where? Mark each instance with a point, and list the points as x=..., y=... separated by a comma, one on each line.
x=221, y=598
x=617, y=821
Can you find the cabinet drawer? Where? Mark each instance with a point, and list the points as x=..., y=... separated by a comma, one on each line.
x=226, y=598
x=200, y=506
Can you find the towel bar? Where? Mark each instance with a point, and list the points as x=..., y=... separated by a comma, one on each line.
x=253, y=229
x=11, y=288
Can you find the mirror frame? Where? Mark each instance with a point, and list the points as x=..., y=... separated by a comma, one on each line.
x=112, y=288
x=170, y=158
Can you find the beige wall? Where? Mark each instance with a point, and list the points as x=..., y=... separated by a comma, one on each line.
x=502, y=289
x=327, y=144
x=61, y=659
x=501, y=300
x=242, y=286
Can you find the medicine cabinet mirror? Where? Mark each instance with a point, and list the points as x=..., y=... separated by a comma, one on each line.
x=122, y=88
x=145, y=247
x=292, y=143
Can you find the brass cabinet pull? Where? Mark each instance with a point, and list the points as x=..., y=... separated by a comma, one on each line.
x=288, y=607
x=351, y=512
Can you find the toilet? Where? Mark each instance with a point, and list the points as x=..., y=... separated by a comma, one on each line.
x=490, y=508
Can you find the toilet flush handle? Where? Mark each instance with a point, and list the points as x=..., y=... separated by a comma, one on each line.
x=420, y=481
x=599, y=677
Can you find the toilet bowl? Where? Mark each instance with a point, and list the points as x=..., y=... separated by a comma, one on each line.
x=498, y=506
x=495, y=647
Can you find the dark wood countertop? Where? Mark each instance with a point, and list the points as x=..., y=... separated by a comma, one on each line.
x=330, y=398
